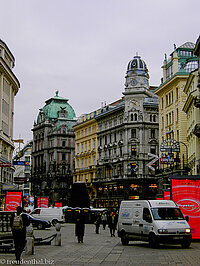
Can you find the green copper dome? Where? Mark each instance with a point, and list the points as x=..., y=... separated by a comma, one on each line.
x=54, y=105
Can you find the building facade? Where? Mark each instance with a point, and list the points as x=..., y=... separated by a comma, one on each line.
x=53, y=150
x=22, y=174
x=115, y=158
x=173, y=140
x=86, y=151
x=127, y=141
x=9, y=86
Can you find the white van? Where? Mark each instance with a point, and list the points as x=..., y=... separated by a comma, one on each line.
x=54, y=215
x=155, y=221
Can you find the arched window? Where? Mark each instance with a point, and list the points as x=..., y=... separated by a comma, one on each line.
x=135, y=117
x=131, y=117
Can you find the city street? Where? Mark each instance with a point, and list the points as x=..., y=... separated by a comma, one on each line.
x=101, y=249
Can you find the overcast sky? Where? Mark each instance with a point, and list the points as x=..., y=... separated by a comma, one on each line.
x=82, y=48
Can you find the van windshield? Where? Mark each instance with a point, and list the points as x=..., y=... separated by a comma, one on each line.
x=167, y=214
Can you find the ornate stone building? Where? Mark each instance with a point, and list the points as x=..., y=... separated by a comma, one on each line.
x=9, y=86
x=53, y=150
x=127, y=141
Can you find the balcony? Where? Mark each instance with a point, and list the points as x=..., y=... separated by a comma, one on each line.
x=196, y=130
x=197, y=102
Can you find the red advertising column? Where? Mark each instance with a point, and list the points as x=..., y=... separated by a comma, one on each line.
x=167, y=195
x=186, y=193
x=42, y=202
x=13, y=199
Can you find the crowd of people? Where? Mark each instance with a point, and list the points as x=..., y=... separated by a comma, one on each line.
x=109, y=219
x=19, y=222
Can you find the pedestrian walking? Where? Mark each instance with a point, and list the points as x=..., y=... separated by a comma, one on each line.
x=112, y=223
x=18, y=224
x=80, y=226
x=97, y=222
x=104, y=220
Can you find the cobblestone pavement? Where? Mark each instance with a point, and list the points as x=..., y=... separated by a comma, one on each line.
x=102, y=249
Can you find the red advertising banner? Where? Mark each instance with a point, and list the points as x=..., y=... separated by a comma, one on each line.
x=166, y=195
x=159, y=198
x=58, y=204
x=13, y=199
x=186, y=193
x=42, y=202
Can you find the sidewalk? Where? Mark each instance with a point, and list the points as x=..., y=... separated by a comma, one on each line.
x=102, y=249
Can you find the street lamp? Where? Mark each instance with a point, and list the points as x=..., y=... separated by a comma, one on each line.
x=186, y=155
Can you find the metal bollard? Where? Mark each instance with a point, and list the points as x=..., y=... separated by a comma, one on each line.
x=29, y=250
x=57, y=241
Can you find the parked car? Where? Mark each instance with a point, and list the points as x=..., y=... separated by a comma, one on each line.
x=40, y=224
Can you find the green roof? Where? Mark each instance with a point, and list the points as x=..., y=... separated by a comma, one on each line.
x=54, y=105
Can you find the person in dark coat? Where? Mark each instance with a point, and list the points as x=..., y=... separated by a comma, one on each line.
x=112, y=223
x=19, y=235
x=97, y=222
x=80, y=226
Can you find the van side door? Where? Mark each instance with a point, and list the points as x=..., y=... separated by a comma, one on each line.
x=146, y=223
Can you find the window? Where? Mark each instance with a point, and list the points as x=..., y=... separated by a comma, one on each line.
x=154, y=118
x=133, y=150
x=146, y=214
x=89, y=145
x=150, y=118
x=63, y=143
x=153, y=133
x=94, y=160
x=110, y=138
x=177, y=114
x=82, y=147
x=105, y=140
x=94, y=143
x=78, y=148
x=176, y=93
x=85, y=146
x=85, y=162
x=131, y=117
x=63, y=156
x=133, y=133
x=162, y=103
x=166, y=100
x=153, y=149
x=115, y=137
x=135, y=117
x=77, y=163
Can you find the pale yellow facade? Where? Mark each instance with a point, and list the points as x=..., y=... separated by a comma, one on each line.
x=86, y=151
x=173, y=121
x=193, y=118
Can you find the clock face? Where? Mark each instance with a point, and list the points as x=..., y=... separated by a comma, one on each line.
x=133, y=82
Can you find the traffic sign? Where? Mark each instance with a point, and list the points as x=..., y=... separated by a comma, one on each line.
x=21, y=163
x=153, y=161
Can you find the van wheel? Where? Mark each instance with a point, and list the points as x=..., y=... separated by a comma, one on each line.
x=40, y=226
x=153, y=241
x=186, y=243
x=124, y=239
x=54, y=222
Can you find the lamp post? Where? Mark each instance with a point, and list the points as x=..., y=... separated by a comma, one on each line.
x=186, y=155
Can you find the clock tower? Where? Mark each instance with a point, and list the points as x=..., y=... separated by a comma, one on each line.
x=137, y=77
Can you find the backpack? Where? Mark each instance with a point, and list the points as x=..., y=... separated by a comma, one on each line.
x=17, y=222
